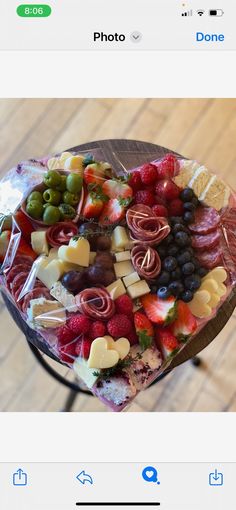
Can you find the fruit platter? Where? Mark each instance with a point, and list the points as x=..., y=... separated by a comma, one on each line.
x=117, y=270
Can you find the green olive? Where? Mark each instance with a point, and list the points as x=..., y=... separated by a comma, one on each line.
x=52, y=196
x=34, y=209
x=51, y=215
x=70, y=198
x=52, y=179
x=62, y=185
x=67, y=211
x=74, y=183
x=35, y=195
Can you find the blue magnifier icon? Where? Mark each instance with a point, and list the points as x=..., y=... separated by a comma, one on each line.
x=150, y=474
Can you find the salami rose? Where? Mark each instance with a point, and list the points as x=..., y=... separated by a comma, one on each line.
x=145, y=227
x=146, y=261
x=61, y=233
x=96, y=303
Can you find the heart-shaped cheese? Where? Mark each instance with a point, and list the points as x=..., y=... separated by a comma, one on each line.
x=210, y=285
x=101, y=356
x=122, y=346
x=77, y=252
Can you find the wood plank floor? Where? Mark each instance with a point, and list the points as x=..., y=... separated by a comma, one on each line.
x=204, y=129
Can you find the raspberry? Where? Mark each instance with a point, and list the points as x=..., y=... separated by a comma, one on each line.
x=167, y=189
x=135, y=180
x=119, y=325
x=67, y=353
x=160, y=200
x=82, y=348
x=79, y=324
x=133, y=337
x=168, y=167
x=160, y=210
x=176, y=207
x=124, y=304
x=65, y=335
x=148, y=174
x=144, y=197
x=98, y=328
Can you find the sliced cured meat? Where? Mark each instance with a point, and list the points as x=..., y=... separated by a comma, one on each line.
x=206, y=220
x=61, y=233
x=23, y=259
x=206, y=242
x=34, y=294
x=17, y=293
x=145, y=227
x=146, y=261
x=210, y=258
x=20, y=268
x=96, y=303
x=19, y=280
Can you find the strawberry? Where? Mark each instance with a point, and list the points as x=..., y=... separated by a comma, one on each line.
x=160, y=210
x=144, y=329
x=4, y=242
x=176, y=207
x=167, y=341
x=167, y=189
x=115, y=189
x=25, y=249
x=94, y=173
x=24, y=225
x=113, y=211
x=185, y=324
x=160, y=311
x=94, y=201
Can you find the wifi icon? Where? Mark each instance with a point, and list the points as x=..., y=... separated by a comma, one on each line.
x=200, y=12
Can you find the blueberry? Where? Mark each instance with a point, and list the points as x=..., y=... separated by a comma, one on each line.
x=163, y=278
x=188, y=217
x=186, y=195
x=196, y=262
x=176, y=288
x=187, y=296
x=169, y=239
x=163, y=293
x=182, y=239
x=170, y=263
x=172, y=250
x=188, y=268
x=202, y=271
x=189, y=206
x=184, y=257
x=195, y=201
x=176, y=274
x=176, y=219
x=192, y=282
x=162, y=251
x=179, y=227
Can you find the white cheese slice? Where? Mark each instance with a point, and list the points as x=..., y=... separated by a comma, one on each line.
x=131, y=278
x=138, y=289
x=123, y=268
x=116, y=289
x=85, y=373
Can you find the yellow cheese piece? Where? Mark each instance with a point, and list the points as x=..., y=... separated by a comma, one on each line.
x=85, y=373
x=76, y=252
x=131, y=278
x=50, y=273
x=53, y=164
x=221, y=290
x=123, y=268
x=199, y=309
x=210, y=285
x=122, y=346
x=218, y=274
x=39, y=242
x=101, y=356
x=63, y=157
x=53, y=254
x=74, y=163
x=69, y=266
x=214, y=301
x=116, y=289
x=122, y=256
x=138, y=289
x=202, y=295
x=119, y=238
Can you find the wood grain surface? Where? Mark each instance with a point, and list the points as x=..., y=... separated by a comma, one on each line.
x=204, y=129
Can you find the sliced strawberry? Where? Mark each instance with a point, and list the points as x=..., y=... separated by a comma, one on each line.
x=4, y=242
x=113, y=212
x=24, y=225
x=160, y=311
x=185, y=324
x=115, y=189
x=144, y=329
x=168, y=343
x=94, y=173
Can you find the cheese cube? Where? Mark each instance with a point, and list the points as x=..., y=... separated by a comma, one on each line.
x=53, y=254
x=138, y=289
x=116, y=289
x=50, y=273
x=131, y=278
x=123, y=268
x=39, y=242
x=85, y=373
x=119, y=238
x=123, y=255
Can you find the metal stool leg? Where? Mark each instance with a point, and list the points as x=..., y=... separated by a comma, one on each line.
x=196, y=361
x=72, y=395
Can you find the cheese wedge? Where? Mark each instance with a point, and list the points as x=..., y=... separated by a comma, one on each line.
x=138, y=289
x=131, y=278
x=39, y=242
x=215, y=194
x=119, y=239
x=116, y=289
x=199, y=180
x=85, y=373
x=123, y=268
x=187, y=169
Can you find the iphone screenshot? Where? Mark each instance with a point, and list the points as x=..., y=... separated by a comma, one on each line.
x=117, y=254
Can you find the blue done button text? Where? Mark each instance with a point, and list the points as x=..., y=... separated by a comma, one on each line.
x=201, y=37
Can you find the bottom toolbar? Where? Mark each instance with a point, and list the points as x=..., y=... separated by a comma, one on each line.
x=171, y=486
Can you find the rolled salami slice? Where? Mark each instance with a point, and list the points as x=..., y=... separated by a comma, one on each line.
x=145, y=227
x=96, y=303
x=206, y=221
x=210, y=258
x=206, y=242
x=146, y=261
x=61, y=233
